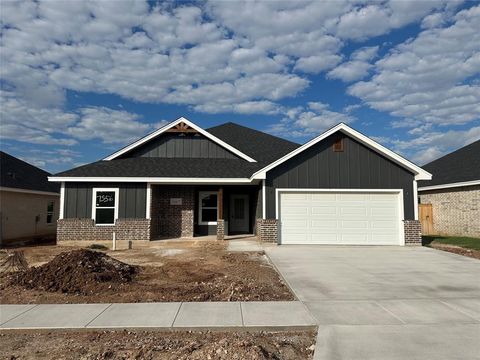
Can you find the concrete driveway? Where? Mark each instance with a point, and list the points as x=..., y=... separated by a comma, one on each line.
x=386, y=302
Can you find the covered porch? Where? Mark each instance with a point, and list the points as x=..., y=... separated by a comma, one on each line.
x=183, y=211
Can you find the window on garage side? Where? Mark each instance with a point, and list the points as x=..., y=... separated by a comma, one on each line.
x=208, y=208
x=50, y=211
x=105, y=206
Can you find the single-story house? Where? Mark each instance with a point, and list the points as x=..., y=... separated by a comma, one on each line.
x=454, y=192
x=29, y=203
x=182, y=181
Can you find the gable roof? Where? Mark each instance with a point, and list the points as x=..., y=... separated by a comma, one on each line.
x=459, y=168
x=264, y=147
x=171, y=125
x=420, y=174
x=269, y=151
x=18, y=174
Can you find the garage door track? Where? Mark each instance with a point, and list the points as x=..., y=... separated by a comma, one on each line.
x=386, y=302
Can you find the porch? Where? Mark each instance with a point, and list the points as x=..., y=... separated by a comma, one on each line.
x=183, y=211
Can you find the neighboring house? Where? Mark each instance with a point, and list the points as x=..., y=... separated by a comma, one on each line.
x=182, y=181
x=454, y=192
x=29, y=204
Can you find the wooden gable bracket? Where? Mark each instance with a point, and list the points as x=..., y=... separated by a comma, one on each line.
x=181, y=127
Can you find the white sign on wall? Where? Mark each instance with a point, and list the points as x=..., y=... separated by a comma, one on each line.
x=175, y=201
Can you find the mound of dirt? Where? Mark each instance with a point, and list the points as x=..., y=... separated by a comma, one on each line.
x=76, y=272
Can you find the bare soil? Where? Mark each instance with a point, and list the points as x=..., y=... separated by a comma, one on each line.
x=102, y=345
x=190, y=271
x=457, y=250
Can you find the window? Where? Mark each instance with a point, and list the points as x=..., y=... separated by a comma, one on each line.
x=50, y=206
x=105, y=206
x=208, y=208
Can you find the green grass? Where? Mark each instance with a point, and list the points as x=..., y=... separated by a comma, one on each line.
x=464, y=242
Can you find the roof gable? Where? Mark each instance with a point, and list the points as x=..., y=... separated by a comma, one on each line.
x=420, y=174
x=179, y=125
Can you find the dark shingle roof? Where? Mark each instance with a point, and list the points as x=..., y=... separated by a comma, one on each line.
x=16, y=173
x=260, y=146
x=459, y=166
x=264, y=148
x=165, y=167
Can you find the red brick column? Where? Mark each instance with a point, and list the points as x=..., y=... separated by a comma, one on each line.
x=267, y=230
x=413, y=232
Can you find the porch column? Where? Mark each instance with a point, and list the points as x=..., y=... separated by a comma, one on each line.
x=220, y=220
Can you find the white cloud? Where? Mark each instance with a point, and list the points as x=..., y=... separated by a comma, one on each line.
x=110, y=126
x=357, y=68
x=431, y=145
x=427, y=79
x=310, y=121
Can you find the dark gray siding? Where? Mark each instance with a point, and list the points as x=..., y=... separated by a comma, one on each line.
x=173, y=145
x=78, y=199
x=357, y=167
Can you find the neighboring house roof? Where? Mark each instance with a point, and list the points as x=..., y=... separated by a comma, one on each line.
x=459, y=168
x=268, y=151
x=17, y=174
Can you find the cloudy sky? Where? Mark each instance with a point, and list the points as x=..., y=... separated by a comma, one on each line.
x=79, y=79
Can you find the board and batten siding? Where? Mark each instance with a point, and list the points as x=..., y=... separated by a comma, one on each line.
x=357, y=167
x=173, y=145
x=131, y=202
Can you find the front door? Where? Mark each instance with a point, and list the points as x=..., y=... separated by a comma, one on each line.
x=238, y=214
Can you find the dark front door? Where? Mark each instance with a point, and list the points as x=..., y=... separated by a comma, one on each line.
x=238, y=214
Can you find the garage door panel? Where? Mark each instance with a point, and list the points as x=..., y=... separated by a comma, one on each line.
x=323, y=210
x=324, y=224
x=339, y=218
x=323, y=197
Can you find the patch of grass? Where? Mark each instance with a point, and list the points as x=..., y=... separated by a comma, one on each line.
x=464, y=242
x=98, y=247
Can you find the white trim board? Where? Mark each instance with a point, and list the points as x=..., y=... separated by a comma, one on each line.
x=94, y=204
x=420, y=174
x=156, y=180
x=25, y=191
x=62, y=200
x=451, y=185
x=401, y=212
x=169, y=126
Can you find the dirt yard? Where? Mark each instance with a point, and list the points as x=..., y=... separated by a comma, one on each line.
x=157, y=345
x=171, y=271
x=457, y=250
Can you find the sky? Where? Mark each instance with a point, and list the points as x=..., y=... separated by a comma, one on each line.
x=81, y=79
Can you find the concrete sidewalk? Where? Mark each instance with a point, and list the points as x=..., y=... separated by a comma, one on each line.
x=266, y=315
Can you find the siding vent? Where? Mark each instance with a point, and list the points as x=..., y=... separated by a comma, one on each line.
x=338, y=145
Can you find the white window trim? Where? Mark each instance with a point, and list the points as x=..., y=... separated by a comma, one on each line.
x=94, y=203
x=200, y=195
x=53, y=213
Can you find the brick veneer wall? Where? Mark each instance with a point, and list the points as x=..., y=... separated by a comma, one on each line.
x=267, y=230
x=85, y=229
x=413, y=232
x=456, y=211
x=172, y=220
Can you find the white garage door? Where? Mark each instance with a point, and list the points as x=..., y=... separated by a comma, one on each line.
x=340, y=218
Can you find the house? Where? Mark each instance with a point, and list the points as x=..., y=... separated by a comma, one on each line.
x=29, y=203
x=182, y=181
x=454, y=192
